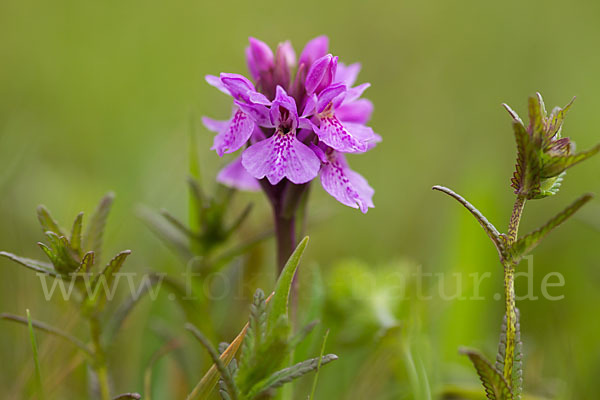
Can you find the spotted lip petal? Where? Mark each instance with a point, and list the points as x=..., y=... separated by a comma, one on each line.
x=346, y=186
x=281, y=156
x=346, y=138
x=232, y=134
x=235, y=175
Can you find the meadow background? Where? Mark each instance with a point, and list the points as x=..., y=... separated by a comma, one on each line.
x=99, y=96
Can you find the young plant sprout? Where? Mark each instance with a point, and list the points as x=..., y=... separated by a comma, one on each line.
x=294, y=122
x=75, y=257
x=543, y=156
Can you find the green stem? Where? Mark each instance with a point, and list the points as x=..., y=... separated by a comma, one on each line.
x=99, y=358
x=509, y=289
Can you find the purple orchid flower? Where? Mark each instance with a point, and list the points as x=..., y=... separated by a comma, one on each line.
x=286, y=147
x=282, y=155
x=348, y=135
x=345, y=185
x=234, y=175
x=234, y=133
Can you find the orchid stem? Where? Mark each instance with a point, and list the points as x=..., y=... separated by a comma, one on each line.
x=509, y=289
x=285, y=235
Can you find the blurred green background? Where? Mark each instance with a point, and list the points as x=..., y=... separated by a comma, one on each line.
x=98, y=96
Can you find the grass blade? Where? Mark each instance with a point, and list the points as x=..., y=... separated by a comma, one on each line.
x=36, y=359
x=316, y=378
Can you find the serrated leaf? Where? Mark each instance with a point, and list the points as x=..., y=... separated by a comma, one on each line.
x=550, y=187
x=517, y=378
x=558, y=164
x=47, y=222
x=92, y=240
x=487, y=226
x=112, y=267
x=35, y=265
x=496, y=387
x=87, y=262
x=527, y=243
x=279, y=304
x=289, y=374
x=133, y=396
x=537, y=116
x=557, y=118
x=525, y=180
x=76, y=238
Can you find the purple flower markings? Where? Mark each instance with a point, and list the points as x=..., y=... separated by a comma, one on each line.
x=293, y=128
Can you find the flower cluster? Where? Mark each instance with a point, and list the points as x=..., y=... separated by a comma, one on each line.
x=295, y=127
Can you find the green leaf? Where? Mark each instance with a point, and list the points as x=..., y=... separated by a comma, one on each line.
x=289, y=374
x=255, y=335
x=537, y=116
x=239, y=220
x=487, y=226
x=316, y=378
x=48, y=329
x=87, y=262
x=177, y=224
x=496, y=387
x=278, y=306
x=558, y=164
x=221, y=367
x=113, y=267
x=48, y=223
x=168, y=347
x=557, y=118
x=525, y=179
x=92, y=240
x=76, y=234
x=167, y=233
x=517, y=378
x=134, y=396
x=36, y=359
x=527, y=243
x=35, y=265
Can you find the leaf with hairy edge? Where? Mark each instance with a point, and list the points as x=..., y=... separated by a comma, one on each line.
x=47, y=222
x=501, y=347
x=525, y=179
x=289, y=374
x=203, y=389
x=537, y=116
x=517, y=378
x=92, y=240
x=496, y=387
x=279, y=304
x=527, y=243
x=221, y=367
x=558, y=164
x=75, y=240
x=487, y=226
x=134, y=396
x=87, y=262
x=113, y=267
x=35, y=265
x=556, y=119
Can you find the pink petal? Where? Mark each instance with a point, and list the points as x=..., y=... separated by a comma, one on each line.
x=235, y=175
x=281, y=156
x=345, y=185
x=356, y=111
x=314, y=49
x=347, y=74
x=339, y=136
x=235, y=134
